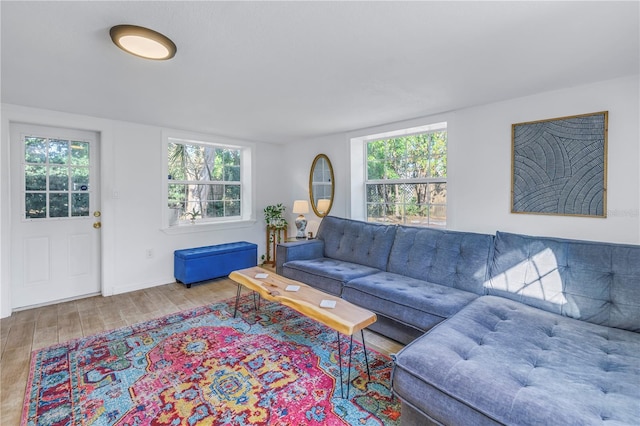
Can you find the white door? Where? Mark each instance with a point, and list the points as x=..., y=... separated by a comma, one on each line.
x=55, y=234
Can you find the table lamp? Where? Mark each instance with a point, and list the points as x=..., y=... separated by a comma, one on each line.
x=301, y=207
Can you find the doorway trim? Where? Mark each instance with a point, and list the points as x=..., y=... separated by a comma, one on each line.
x=20, y=114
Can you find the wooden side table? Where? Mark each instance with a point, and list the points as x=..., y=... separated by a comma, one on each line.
x=274, y=237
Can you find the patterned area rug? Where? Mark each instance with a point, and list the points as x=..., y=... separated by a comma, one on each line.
x=203, y=367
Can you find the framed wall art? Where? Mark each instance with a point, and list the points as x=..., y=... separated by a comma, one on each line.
x=559, y=166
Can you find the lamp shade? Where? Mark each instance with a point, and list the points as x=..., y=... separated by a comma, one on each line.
x=323, y=205
x=300, y=206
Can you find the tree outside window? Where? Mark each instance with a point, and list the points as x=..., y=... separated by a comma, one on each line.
x=204, y=181
x=406, y=180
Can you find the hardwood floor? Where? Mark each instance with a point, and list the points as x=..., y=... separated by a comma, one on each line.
x=28, y=330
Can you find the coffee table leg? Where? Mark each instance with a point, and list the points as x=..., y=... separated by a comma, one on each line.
x=340, y=364
x=366, y=360
x=349, y=367
x=256, y=304
x=364, y=347
x=237, y=299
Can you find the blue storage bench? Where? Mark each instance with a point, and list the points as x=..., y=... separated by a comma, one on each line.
x=206, y=263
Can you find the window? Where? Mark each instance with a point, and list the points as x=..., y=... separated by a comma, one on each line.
x=56, y=178
x=205, y=181
x=406, y=178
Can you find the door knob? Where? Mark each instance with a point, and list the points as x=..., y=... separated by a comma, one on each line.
x=97, y=225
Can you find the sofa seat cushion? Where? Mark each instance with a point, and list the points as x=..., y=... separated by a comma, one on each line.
x=325, y=274
x=498, y=360
x=408, y=300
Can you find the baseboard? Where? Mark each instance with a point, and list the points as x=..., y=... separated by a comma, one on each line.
x=54, y=302
x=135, y=287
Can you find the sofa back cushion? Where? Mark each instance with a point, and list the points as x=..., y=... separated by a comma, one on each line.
x=589, y=281
x=450, y=258
x=356, y=241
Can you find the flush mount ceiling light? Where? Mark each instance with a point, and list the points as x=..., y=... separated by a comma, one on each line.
x=143, y=42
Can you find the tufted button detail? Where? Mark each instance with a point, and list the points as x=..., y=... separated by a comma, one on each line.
x=463, y=356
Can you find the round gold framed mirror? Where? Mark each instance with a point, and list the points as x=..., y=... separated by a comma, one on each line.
x=321, y=185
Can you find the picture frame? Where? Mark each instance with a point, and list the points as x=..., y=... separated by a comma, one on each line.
x=559, y=166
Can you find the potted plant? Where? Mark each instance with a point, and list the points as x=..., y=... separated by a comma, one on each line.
x=175, y=211
x=273, y=215
x=193, y=214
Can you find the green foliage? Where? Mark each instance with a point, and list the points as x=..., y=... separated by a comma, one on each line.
x=408, y=157
x=418, y=159
x=273, y=216
x=193, y=214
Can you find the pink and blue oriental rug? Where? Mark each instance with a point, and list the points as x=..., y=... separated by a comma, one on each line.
x=204, y=367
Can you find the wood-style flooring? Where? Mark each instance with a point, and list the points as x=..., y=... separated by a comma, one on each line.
x=28, y=330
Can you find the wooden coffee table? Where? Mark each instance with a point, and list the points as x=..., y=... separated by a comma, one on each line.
x=345, y=317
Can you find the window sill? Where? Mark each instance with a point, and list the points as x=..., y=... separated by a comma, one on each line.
x=207, y=226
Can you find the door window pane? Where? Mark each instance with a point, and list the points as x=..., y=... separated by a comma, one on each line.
x=80, y=153
x=35, y=205
x=58, y=178
x=35, y=150
x=80, y=204
x=58, y=205
x=58, y=151
x=80, y=179
x=35, y=178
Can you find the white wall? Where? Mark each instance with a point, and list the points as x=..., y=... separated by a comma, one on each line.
x=479, y=158
x=479, y=181
x=131, y=168
x=484, y=154
x=300, y=157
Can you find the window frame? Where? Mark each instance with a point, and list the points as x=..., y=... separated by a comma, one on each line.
x=431, y=128
x=48, y=165
x=247, y=184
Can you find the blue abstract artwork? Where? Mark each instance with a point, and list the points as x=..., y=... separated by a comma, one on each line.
x=559, y=166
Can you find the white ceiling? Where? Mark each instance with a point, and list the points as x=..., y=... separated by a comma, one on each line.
x=289, y=71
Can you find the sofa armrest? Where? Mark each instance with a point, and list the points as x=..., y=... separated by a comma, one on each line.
x=299, y=250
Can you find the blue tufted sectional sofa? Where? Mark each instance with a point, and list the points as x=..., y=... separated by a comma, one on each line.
x=505, y=329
